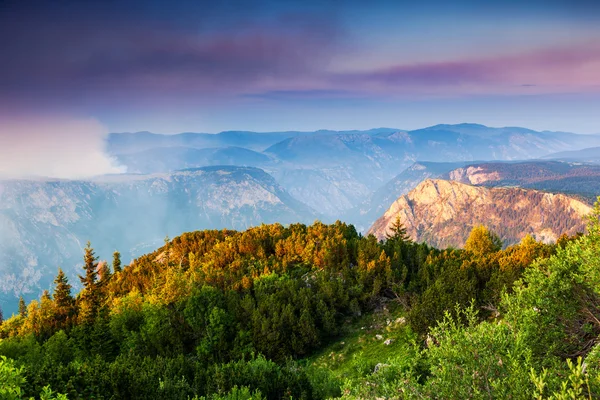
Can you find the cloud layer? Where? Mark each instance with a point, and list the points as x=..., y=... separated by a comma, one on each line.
x=140, y=65
x=54, y=147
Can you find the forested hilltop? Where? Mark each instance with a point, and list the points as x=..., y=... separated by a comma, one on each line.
x=273, y=312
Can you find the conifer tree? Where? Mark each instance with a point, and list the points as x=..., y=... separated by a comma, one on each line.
x=104, y=273
x=1, y=316
x=46, y=295
x=397, y=231
x=62, y=290
x=89, y=297
x=63, y=300
x=22, y=307
x=90, y=266
x=116, y=264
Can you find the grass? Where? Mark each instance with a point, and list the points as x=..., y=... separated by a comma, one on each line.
x=362, y=345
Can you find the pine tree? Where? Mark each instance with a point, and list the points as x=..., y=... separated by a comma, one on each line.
x=397, y=231
x=62, y=290
x=88, y=300
x=104, y=273
x=46, y=295
x=1, y=316
x=22, y=307
x=63, y=300
x=90, y=265
x=116, y=264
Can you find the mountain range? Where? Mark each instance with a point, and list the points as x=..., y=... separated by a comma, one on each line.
x=193, y=181
x=335, y=172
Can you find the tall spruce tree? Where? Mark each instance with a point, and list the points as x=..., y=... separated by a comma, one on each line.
x=90, y=266
x=104, y=273
x=1, y=316
x=22, y=307
x=116, y=264
x=63, y=300
x=397, y=231
x=88, y=299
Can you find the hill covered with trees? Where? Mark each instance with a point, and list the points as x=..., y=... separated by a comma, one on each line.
x=239, y=315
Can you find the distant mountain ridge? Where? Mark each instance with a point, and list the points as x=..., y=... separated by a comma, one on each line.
x=335, y=171
x=128, y=142
x=554, y=176
x=45, y=224
x=165, y=159
x=442, y=213
x=587, y=155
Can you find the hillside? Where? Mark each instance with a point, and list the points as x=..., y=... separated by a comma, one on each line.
x=314, y=312
x=369, y=210
x=581, y=180
x=442, y=213
x=46, y=223
x=588, y=155
x=167, y=159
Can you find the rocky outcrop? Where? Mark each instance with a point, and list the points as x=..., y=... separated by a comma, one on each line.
x=442, y=213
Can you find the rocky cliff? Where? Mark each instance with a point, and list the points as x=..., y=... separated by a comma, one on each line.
x=442, y=213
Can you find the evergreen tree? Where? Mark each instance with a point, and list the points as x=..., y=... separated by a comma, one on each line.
x=89, y=297
x=116, y=264
x=90, y=266
x=62, y=290
x=22, y=307
x=397, y=231
x=104, y=273
x=46, y=295
x=63, y=300
x=1, y=316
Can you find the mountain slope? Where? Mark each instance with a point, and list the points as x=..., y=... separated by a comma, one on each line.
x=166, y=159
x=582, y=180
x=124, y=143
x=369, y=210
x=588, y=155
x=45, y=224
x=442, y=213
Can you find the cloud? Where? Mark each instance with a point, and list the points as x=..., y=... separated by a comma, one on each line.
x=311, y=94
x=106, y=61
x=54, y=147
x=553, y=69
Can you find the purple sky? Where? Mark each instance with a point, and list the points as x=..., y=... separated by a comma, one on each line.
x=277, y=65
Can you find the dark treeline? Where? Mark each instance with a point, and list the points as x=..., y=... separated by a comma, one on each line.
x=227, y=313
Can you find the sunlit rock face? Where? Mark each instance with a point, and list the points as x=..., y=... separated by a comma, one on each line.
x=442, y=213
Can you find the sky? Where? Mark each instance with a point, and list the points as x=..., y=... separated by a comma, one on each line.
x=182, y=66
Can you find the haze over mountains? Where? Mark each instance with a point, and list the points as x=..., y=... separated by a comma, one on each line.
x=45, y=224
x=193, y=181
x=334, y=172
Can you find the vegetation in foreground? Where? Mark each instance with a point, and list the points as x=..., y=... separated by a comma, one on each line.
x=310, y=312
